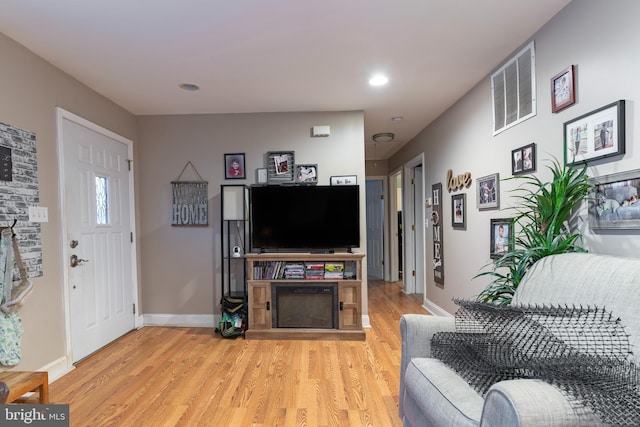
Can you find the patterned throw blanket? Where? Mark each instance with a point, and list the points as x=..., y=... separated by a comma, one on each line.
x=584, y=352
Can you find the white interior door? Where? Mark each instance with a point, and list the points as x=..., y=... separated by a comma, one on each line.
x=98, y=223
x=375, y=228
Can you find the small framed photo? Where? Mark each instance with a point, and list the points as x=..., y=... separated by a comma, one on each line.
x=595, y=135
x=307, y=174
x=501, y=237
x=344, y=180
x=615, y=201
x=563, y=90
x=459, y=211
x=234, y=166
x=523, y=160
x=488, y=192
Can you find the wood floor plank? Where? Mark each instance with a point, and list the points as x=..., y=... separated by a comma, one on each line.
x=160, y=376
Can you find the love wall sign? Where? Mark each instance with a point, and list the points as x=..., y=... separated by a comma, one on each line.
x=458, y=182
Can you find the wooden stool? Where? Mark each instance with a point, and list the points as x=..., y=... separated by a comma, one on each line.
x=20, y=383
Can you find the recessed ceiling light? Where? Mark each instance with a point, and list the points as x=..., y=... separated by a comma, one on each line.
x=397, y=119
x=189, y=86
x=378, y=80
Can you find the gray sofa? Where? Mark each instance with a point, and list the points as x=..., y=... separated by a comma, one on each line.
x=432, y=394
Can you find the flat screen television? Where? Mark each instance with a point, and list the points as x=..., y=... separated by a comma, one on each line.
x=314, y=217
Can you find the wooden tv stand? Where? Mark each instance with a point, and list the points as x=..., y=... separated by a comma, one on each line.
x=261, y=276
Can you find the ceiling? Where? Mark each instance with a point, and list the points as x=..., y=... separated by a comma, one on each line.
x=280, y=55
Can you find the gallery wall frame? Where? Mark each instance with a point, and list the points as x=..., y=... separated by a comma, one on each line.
x=280, y=167
x=523, y=159
x=502, y=240
x=563, y=89
x=596, y=135
x=459, y=211
x=307, y=174
x=234, y=166
x=488, y=192
x=614, y=202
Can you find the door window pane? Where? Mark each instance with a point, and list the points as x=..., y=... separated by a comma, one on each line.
x=102, y=200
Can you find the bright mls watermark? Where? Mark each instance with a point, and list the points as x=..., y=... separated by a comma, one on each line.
x=34, y=415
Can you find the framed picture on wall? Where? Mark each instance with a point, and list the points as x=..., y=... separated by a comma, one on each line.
x=234, y=166
x=615, y=201
x=501, y=237
x=459, y=211
x=523, y=160
x=595, y=135
x=488, y=192
x=563, y=90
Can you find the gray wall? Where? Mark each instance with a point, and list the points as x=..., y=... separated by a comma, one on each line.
x=180, y=266
x=600, y=39
x=31, y=88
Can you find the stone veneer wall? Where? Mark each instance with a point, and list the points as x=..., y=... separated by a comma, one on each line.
x=21, y=192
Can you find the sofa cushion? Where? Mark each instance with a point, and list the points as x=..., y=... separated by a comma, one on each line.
x=582, y=279
x=436, y=395
x=529, y=402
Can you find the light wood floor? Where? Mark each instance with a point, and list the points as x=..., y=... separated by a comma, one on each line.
x=160, y=376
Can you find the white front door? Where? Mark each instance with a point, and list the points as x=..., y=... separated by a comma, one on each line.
x=98, y=224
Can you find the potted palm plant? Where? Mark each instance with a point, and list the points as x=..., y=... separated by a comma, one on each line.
x=544, y=225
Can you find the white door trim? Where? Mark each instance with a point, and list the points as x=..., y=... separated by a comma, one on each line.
x=409, y=255
x=392, y=202
x=61, y=115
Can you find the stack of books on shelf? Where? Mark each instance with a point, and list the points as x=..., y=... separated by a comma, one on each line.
x=314, y=270
x=268, y=270
x=294, y=270
x=334, y=270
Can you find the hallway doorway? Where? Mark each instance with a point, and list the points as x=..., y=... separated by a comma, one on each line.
x=414, y=227
x=375, y=228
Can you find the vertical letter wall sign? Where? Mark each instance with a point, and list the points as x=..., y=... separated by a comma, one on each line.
x=436, y=220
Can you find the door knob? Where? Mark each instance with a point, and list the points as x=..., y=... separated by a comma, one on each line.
x=75, y=261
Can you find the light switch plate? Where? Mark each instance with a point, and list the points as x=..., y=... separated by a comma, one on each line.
x=38, y=214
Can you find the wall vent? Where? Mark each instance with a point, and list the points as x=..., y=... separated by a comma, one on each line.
x=513, y=89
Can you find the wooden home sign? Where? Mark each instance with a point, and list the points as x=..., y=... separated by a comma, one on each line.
x=438, y=252
x=190, y=205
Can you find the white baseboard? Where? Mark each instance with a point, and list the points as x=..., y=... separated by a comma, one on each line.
x=183, y=320
x=199, y=320
x=434, y=309
x=58, y=368
x=365, y=321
